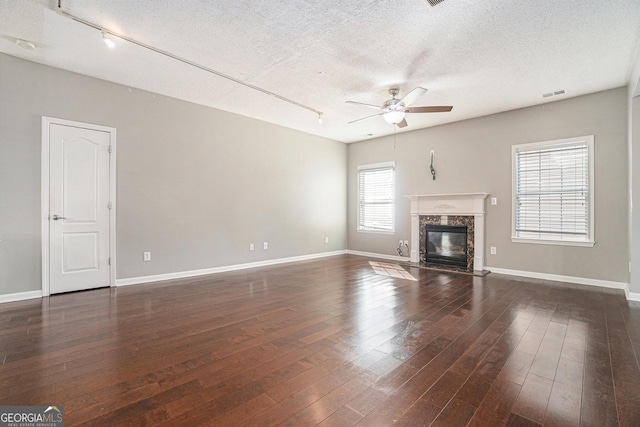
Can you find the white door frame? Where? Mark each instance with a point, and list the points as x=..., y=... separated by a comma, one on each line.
x=44, y=200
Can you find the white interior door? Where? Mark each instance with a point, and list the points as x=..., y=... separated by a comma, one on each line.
x=79, y=208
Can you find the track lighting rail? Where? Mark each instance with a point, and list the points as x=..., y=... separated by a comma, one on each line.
x=183, y=60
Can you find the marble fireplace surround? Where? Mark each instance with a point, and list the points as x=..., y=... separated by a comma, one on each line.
x=461, y=204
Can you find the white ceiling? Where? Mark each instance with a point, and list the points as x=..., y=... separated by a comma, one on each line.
x=482, y=57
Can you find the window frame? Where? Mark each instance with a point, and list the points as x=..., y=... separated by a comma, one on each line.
x=383, y=165
x=590, y=238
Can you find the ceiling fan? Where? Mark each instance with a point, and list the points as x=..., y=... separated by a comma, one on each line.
x=393, y=110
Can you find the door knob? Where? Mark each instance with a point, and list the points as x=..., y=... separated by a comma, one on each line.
x=57, y=217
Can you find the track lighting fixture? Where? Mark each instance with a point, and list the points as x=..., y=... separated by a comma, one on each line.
x=110, y=43
x=25, y=44
x=106, y=36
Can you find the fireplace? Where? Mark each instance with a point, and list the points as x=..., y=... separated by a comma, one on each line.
x=464, y=210
x=446, y=245
x=447, y=242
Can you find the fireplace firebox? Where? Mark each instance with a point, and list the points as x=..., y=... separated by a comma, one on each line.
x=446, y=245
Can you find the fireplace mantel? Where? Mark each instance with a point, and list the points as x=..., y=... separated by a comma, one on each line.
x=448, y=204
x=461, y=204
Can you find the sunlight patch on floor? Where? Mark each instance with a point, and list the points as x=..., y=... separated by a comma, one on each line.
x=391, y=270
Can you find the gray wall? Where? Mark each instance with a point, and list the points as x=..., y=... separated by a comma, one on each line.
x=475, y=156
x=633, y=95
x=634, y=148
x=195, y=185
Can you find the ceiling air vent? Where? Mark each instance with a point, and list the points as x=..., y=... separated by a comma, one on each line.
x=434, y=2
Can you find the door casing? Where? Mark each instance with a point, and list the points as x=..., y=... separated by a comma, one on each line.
x=44, y=200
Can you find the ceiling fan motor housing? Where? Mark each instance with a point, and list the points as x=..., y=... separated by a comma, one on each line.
x=393, y=105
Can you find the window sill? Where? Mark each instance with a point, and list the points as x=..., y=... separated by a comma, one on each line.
x=588, y=244
x=376, y=231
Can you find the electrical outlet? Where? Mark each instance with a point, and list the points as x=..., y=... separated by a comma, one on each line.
x=251, y=246
x=494, y=201
x=400, y=242
x=493, y=250
x=406, y=243
x=432, y=153
x=326, y=239
x=146, y=256
x=266, y=245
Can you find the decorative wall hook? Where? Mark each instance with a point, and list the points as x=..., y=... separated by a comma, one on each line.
x=433, y=171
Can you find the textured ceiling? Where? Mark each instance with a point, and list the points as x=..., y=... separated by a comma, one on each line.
x=482, y=57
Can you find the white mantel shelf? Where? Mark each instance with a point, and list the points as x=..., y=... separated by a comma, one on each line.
x=448, y=204
x=461, y=204
x=451, y=196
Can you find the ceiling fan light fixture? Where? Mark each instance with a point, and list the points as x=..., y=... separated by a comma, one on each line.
x=393, y=110
x=393, y=117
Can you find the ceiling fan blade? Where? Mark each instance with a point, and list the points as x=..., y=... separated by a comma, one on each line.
x=432, y=109
x=402, y=124
x=413, y=96
x=377, y=107
x=365, y=118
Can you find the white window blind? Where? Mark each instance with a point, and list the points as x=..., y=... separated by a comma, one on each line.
x=552, y=183
x=376, y=197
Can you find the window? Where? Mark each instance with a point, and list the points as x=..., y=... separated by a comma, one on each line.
x=376, y=197
x=553, y=192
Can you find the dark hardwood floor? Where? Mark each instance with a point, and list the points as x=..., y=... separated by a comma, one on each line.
x=331, y=343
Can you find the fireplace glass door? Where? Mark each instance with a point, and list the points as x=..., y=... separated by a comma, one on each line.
x=446, y=245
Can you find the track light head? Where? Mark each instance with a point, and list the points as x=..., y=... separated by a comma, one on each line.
x=110, y=43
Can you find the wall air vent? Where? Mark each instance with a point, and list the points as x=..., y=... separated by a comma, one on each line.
x=434, y=2
x=555, y=93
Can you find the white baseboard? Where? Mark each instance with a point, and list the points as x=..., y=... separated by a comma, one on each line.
x=193, y=273
x=382, y=256
x=633, y=296
x=560, y=278
x=20, y=296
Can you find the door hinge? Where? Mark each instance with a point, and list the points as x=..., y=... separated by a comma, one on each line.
x=109, y=205
x=109, y=260
x=109, y=149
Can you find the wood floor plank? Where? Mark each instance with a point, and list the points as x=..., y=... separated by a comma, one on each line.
x=496, y=406
x=598, y=396
x=518, y=421
x=624, y=364
x=533, y=398
x=343, y=417
x=328, y=342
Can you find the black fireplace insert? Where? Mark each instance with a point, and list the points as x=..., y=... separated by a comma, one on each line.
x=446, y=245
